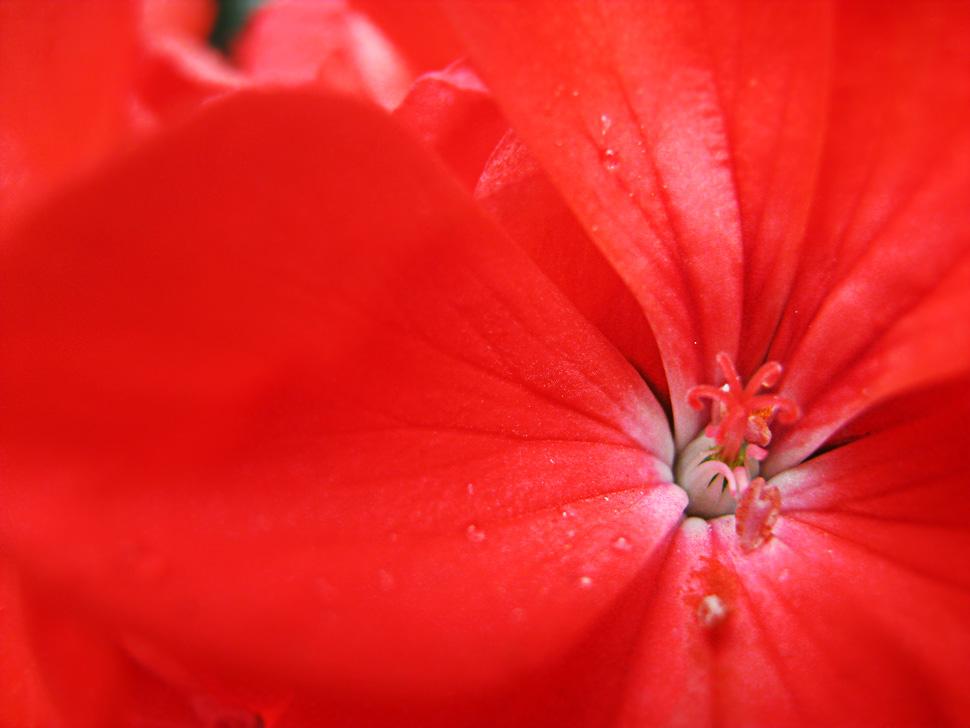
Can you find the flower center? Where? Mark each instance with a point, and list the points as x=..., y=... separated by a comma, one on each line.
x=719, y=470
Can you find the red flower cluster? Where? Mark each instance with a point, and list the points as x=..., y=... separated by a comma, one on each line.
x=345, y=385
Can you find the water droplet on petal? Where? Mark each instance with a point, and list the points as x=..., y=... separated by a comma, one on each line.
x=475, y=534
x=585, y=582
x=622, y=544
x=606, y=122
x=386, y=580
x=610, y=160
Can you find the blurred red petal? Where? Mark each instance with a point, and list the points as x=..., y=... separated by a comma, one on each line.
x=176, y=75
x=419, y=28
x=186, y=18
x=66, y=69
x=252, y=421
x=455, y=115
x=24, y=697
x=325, y=42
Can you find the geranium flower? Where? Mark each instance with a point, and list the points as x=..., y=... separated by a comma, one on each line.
x=298, y=431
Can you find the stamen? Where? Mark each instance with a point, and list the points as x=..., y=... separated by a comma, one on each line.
x=740, y=416
x=719, y=469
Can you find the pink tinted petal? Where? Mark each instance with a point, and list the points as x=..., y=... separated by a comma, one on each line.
x=286, y=426
x=520, y=196
x=178, y=74
x=454, y=114
x=889, y=222
x=325, y=42
x=926, y=345
x=66, y=70
x=419, y=28
x=620, y=105
x=185, y=18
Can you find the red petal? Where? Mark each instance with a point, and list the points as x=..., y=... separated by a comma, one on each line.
x=889, y=228
x=650, y=119
x=186, y=18
x=24, y=697
x=926, y=345
x=303, y=411
x=520, y=196
x=177, y=74
x=454, y=114
x=325, y=41
x=878, y=533
x=66, y=70
x=419, y=28
x=853, y=614
x=672, y=675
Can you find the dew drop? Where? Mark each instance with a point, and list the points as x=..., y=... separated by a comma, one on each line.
x=475, y=534
x=471, y=489
x=606, y=122
x=610, y=160
x=622, y=544
x=585, y=582
x=575, y=92
x=386, y=580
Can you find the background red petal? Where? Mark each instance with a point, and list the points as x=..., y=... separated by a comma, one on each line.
x=66, y=70
x=419, y=28
x=454, y=114
x=287, y=404
x=326, y=42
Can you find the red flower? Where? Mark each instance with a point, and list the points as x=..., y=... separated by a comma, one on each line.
x=293, y=425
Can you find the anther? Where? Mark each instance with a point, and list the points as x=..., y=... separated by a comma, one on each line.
x=740, y=416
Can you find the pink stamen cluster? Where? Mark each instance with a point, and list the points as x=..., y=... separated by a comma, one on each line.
x=740, y=416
